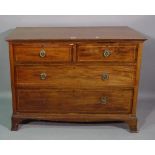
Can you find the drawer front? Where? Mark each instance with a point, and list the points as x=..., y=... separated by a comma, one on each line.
x=48, y=53
x=48, y=101
x=75, y=76
x=107, y=53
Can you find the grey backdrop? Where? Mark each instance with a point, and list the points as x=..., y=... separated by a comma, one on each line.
x=146, y=113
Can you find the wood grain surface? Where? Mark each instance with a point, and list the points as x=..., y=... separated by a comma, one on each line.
x=72, y=33
x=51, y=101
x=71, y=76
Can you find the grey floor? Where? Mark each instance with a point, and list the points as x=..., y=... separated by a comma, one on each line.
x=68, y=131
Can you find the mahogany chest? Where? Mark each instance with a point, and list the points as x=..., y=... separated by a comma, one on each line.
x=75, y=74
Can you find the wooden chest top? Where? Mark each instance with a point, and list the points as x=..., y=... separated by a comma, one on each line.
x=75, y=33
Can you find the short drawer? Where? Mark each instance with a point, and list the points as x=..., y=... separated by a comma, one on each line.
x=37, y=53
x=49, y=101
x=106, y=53
x=75, y=76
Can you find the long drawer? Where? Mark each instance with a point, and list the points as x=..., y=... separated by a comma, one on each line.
x=51, y=101
x=75, y=76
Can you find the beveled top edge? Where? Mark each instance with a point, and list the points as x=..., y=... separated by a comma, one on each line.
x=75, y=33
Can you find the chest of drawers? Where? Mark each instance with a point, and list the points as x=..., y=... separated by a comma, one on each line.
x=85, y=74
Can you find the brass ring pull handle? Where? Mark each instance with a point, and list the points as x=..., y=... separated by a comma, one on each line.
x=42, y=53
x=106, y=53
x=103, y=100
x=105, y=76
x=43, y=76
